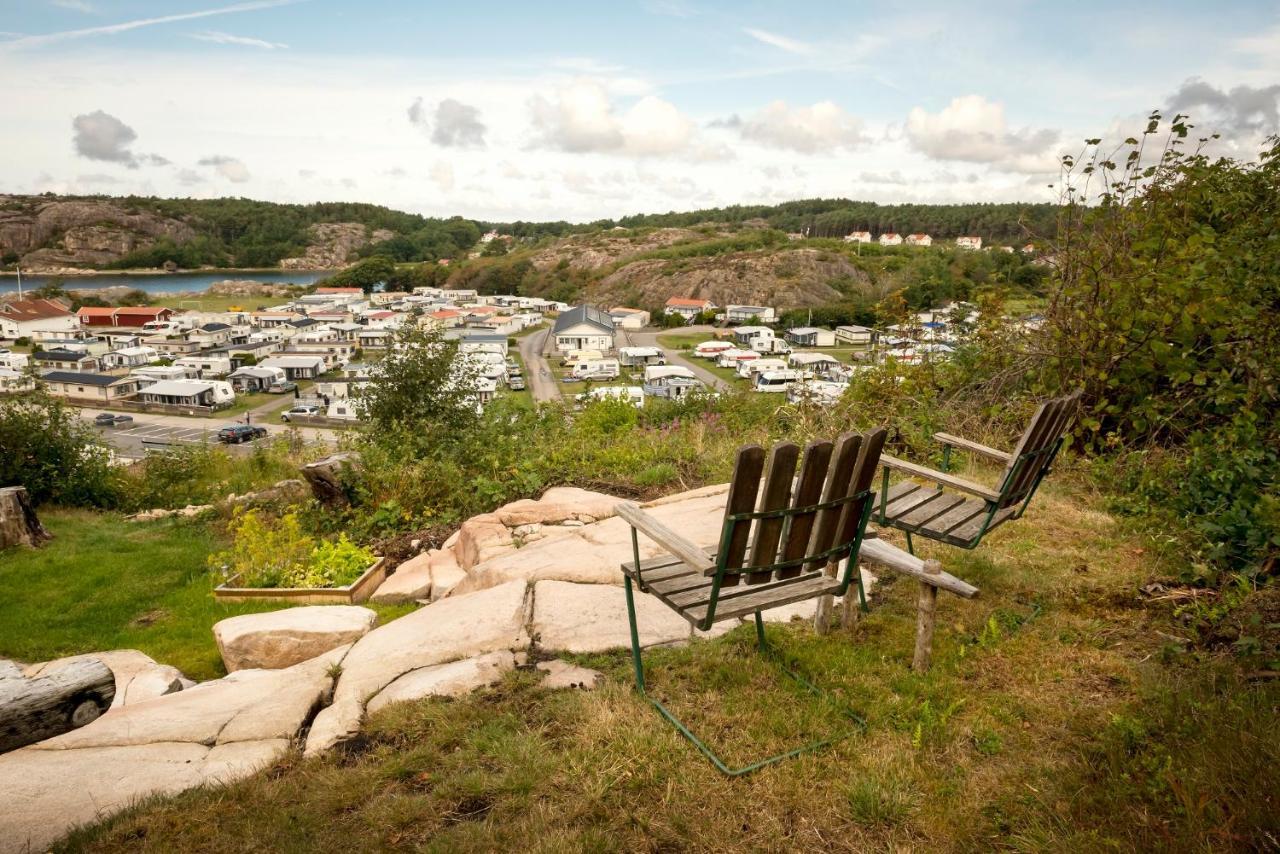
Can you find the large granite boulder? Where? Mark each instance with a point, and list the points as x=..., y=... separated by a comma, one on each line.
x=452, y=629
x=275, y=639
x=445, y=680
x=411, y=581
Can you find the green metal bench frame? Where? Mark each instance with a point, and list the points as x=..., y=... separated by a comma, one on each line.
x=797, y=546
x=942, y=516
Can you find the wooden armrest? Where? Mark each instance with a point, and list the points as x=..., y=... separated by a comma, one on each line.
x=940, y=477
x=884, y=554
x=979, y=449
x=690, y=554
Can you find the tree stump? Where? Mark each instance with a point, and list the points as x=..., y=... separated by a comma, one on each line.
x=19, y=525
x=32, y=710
x=329, y=478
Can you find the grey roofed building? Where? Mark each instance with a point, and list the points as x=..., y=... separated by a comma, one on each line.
x=583, y=314
x=81, y=378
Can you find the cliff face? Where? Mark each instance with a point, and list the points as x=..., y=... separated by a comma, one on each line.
x=87, y=233
x=333, y=245
x=590, y=252
x=781, y=278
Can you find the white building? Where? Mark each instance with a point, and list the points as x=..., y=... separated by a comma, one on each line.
x=750, y=314
x=629, y=318
x=969, y=242
x=583, y=328
x=129, y=357
x=21, y=318
x=689, y=309
x=811, y=336
x=856, y=336
x=891, y=238
x=919, y=240
x=858, y=237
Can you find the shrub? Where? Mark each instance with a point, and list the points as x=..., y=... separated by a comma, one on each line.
x=281, y=554
x=47, y=448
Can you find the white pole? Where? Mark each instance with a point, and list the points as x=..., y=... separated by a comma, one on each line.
x=19, y=281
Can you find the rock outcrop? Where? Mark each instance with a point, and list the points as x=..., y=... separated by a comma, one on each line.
x=272, y=640
x=49, y=235
x=333, y=245
x=593, y=251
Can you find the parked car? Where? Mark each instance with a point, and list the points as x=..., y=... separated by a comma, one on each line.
x=301, y=411
x=281, y=388
x=597, y=376
x=234, y=434
x=110, y=419
x=516, y=382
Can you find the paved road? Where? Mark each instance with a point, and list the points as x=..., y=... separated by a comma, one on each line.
x=649, y=338
x=157, y=431
x=542, y=382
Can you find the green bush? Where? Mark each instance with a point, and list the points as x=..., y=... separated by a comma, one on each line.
x=47, y=448
x=280, y=554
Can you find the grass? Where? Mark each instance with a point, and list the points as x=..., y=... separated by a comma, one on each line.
x=683, y=340
x=104, y=583
x=1056, y=717
x=209, y=302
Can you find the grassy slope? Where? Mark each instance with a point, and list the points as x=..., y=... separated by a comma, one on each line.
x=104, y=583
x=1055, y=718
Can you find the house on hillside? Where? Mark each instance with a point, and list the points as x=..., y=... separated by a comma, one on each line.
x=689, y=309
x=583, y=328
x=89, y=387
x=65, y=360
x=919, y=240
x=296, y=367
x=891, y=238
x=755, y=314
x=858, y=237
x=969, y=242
x=21, y=318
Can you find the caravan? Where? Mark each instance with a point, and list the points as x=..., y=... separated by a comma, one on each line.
x=748, y=368
x=712, y=349
x=596, y=369
x=730, y=358
x=670, y=381
x=639, y=356
x=776, y=381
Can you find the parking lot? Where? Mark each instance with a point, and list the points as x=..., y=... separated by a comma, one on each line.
x=134, y=440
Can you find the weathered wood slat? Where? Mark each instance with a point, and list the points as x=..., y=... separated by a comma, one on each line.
x=967, y=531
x=879, y=553
x=910, y=502
x=839, y=481
x=691, y=553
x=896, y=491
x=743, y=490
x=926, y=513
x=694, y=597
x=796, y=590
x=974, y=447
x=940, y=477
x=809, y=487
x=957, y=516
x=777, y=493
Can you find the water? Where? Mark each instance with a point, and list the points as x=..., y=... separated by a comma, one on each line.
x=166, y=283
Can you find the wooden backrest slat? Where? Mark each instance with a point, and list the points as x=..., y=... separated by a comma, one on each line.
x=813, y=475
x=1031, y=456
x=864, y=471
x=839, y=477
x=777, y=493
x=742, y=499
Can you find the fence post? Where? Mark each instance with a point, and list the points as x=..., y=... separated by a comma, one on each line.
x=928, y=600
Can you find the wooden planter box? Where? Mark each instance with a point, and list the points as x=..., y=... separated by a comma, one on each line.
x=352, y=594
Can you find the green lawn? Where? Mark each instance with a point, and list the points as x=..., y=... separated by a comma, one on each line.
x=208, y=302
x=103, y=583
x=1058, y=716
x=683, y=340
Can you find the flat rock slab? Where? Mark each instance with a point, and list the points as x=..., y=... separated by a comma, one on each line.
x=562, y=674
x=593, y=617
x=276, y=639
x=138, y=676
x=251, y=705
x=411, y=581
x=449, y=630
x=445, y=680
x=46, y=793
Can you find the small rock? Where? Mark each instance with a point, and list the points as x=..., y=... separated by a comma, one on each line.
x=562, y=674
x=415, y=545
x=411, y=580
x=277, y=639
x=572, y=523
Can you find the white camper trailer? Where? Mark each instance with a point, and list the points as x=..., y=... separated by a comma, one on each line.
x=712, y=349
x=731, y=358
x=597, y=369
x=776, y=381
x=638, y=356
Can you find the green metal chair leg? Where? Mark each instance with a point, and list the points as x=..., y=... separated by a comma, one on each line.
x=910, y=545
x=765, y=649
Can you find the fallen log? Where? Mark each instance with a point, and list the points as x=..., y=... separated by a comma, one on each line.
x=32, y=710
x=19, y=525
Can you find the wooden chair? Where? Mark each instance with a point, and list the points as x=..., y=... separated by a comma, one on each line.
x=778, y=545
x=959, y=512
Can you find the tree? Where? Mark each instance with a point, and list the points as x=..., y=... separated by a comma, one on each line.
x=53, y=453
x=366, y=274
x=423, y=387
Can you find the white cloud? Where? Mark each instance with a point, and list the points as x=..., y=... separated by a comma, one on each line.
x=453, y=125
x=217, y=37
x=442, y=174
x=112, y=29
x=102, y=136
x=820, y=128
x=973, y=129
x=228, y=167
x=781, y=42
x=581, y=118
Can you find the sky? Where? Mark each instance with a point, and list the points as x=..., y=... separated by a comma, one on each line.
x=568, y=110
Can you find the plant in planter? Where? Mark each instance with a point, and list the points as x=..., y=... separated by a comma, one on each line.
x=282, y=555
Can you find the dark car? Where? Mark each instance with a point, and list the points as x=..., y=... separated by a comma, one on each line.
x=234, y=434
x=110, y=419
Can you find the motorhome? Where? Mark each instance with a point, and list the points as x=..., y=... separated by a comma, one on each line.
x=597, y=368
x=638, y=356
x=776, y=381
x=712, y=349
x=207, y=364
